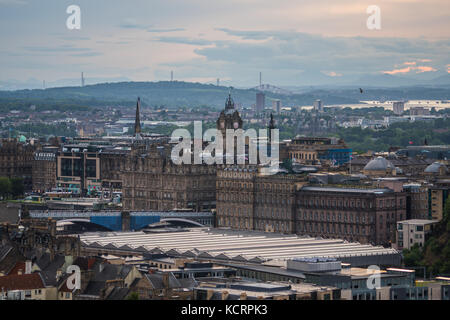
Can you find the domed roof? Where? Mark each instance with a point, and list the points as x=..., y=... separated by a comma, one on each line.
x=435, y=168
x=378, y=164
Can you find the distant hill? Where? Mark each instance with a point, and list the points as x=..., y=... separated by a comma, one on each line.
x=166, y=93
x=177, y=93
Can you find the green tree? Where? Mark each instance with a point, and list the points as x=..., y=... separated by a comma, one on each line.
x=413, y=257
x=133, y=296
x=5, y=187
x=17, y=188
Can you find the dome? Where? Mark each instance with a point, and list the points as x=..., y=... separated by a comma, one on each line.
x=379, y=164
x=435, y=168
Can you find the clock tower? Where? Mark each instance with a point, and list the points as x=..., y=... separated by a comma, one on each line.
x=229, y=118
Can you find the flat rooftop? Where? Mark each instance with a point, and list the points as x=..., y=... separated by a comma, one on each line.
x=233, y=245
x=418, y=221
x=348, y=190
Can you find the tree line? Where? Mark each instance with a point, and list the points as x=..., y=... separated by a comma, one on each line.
x=11, y=188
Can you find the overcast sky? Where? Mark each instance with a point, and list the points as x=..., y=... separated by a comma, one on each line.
x=293, y=42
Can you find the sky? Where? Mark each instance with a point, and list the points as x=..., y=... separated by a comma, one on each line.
x=292, y=42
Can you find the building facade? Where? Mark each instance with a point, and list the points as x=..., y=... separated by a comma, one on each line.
x=249, y=200
x=312, y=150
x=151, y=181
x=412, y=232
x=363, y=215
x=44, y=171
x=16, y=158
x=78, y=169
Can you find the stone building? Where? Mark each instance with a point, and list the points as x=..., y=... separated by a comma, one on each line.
x=112, y=164
x=394, y=165
x=16, y=158
x=354, y=214
x=44, y=171
x=248, y=200
x=284, y=203
x=416, y=201
x=312, y=150
x=151, y=181
x=229, y=118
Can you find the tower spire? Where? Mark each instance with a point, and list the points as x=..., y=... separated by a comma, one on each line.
x=137, y=122
x=272, y=122
x=229, y=103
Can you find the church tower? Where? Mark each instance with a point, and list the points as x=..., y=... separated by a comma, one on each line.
x=229, y=118
x=137, y=121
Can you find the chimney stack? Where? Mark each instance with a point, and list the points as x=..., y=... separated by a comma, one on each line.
x=28, y=267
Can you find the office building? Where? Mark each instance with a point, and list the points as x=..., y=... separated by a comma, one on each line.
x=260, y=102
x=412, y=232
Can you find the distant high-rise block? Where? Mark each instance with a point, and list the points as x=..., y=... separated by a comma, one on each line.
x=276, y=106
x=398, y=107
x=318, y=105
x=260, y=102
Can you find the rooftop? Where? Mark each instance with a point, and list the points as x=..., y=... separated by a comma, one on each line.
x=350, y=190
x=418, y=221
x=232, y=245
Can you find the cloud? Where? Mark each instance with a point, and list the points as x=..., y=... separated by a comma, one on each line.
x=130, y=23
x=13, y=2
x=290, y=50
x=183, y=40
x=332, y=73
x=421, y=69
x=418, y=69
x=165, y=30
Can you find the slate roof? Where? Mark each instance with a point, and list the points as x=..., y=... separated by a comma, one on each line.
x=108, y=272
x=156, y=280
x=50, y=268
x=118, y=294
x=9, y=256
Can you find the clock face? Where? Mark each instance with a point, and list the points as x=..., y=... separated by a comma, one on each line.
x=236, y=125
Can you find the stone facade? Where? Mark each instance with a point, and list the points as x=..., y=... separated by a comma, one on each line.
x=44, y=171
x=112, y=164
x=151, y=181
x=283, y=203
x=363, y=215
x=247, y=200
x=16, y=161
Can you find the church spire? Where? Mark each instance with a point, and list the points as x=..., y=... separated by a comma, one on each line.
x=229, y=104
x=137, y=121
x=272, y=122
